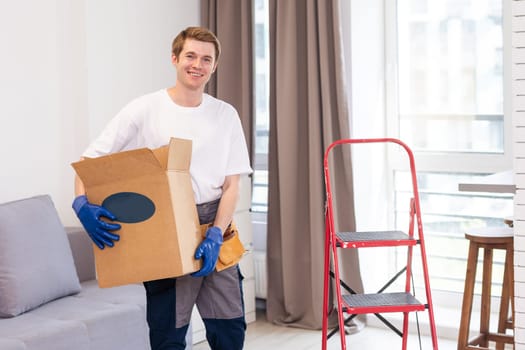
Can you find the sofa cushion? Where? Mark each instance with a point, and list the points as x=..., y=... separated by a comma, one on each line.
x=12, y=344
x=82, y=249
x=130, y=294
x=36, y=264
x=109, y=326
x=33, y=332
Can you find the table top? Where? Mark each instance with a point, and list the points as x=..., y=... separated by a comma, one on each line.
x=502, y=182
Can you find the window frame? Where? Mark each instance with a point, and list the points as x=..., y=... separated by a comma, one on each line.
x=458, y=161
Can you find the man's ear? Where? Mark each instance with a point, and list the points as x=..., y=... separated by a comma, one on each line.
x=174, y=59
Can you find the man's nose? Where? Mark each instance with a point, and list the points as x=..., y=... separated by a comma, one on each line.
x=197, y=63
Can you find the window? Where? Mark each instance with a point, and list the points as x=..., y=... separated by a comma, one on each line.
x=262, y=116
x=448, y=104
x=259, y=206
x=450, y=75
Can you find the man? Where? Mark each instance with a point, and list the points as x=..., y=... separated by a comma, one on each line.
x=219, y=157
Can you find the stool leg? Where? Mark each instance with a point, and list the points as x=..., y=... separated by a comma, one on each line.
x=510, y=261
x=485, y=296
x=507, y=297
x=468, y=293
x=504, y=303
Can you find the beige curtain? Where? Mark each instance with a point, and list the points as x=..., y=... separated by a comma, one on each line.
x=231, y=21
x=308, y=111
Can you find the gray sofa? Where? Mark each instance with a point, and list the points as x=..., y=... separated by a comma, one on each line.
x=35, y=313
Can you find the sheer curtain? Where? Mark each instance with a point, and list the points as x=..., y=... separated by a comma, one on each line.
x=308, y=111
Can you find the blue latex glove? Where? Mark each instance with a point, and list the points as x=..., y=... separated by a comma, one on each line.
x=208, y=250
x=89, y=215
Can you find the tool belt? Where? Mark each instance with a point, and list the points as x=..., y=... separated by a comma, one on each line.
x=232, y=248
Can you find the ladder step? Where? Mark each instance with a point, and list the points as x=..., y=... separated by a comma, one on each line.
x=380, y=303
x=373, y=239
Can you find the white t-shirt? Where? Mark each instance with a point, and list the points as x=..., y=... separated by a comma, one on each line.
x=218, y=143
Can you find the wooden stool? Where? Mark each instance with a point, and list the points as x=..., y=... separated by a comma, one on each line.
x=488, y=238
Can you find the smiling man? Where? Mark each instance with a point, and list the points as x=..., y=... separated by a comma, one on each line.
x=219, y=157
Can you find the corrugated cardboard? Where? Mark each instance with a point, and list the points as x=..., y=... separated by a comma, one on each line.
x=162, y=245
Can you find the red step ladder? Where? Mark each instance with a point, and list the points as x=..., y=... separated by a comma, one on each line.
x=354, y=304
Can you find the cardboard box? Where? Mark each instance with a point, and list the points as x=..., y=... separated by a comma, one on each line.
x=150, y=192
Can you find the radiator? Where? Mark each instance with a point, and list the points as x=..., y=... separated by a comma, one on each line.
x=261, y=275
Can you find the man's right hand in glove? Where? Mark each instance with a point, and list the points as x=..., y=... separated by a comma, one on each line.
x=89, y=215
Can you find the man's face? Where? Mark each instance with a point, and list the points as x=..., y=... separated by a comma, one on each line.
x=195, y=64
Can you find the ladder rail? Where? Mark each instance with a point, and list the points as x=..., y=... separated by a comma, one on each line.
x=326, y=284
x=331, y=243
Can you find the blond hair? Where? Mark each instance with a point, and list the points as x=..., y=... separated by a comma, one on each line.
x=196, y=33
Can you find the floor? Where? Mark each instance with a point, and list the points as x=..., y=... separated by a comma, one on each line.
x=263, y=335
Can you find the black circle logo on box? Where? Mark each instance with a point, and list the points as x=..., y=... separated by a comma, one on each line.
x=129, y=207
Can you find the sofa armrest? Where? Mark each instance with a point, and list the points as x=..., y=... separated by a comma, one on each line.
x=82, y=249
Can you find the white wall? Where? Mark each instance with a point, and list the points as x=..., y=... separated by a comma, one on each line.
x=66, y=68
x=518, y=121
